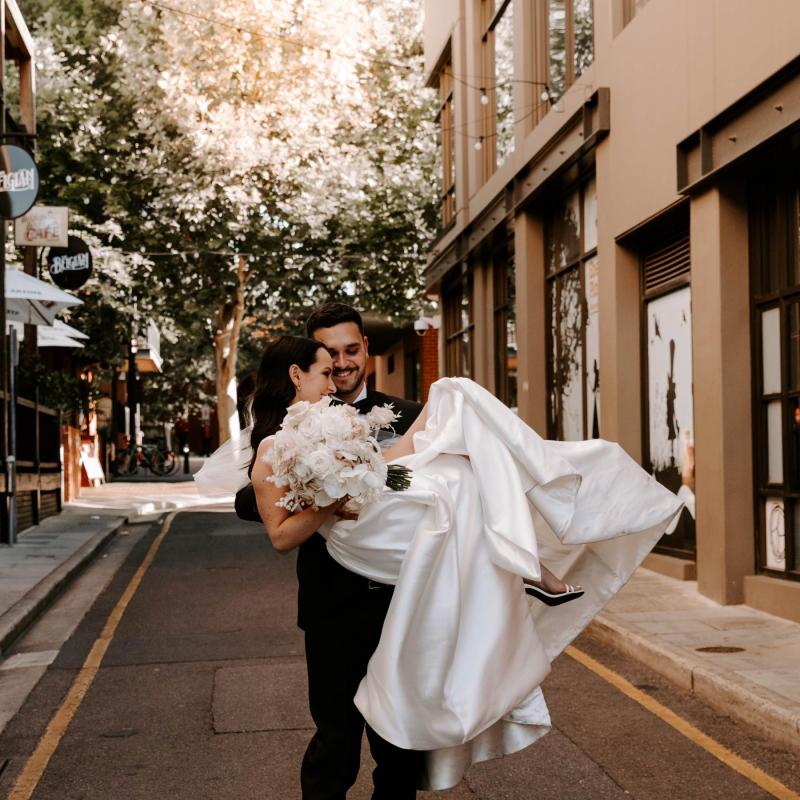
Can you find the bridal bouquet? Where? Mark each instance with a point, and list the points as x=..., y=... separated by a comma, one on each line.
x=326, y=452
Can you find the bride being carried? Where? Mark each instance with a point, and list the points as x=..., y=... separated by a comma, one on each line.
x=463, y=649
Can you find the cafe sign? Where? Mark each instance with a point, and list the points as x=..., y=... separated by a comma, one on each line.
x=71, y=266
x=19, y=181
x=43, y=226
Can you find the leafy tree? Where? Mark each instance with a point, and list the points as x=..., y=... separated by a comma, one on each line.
x=267, y=175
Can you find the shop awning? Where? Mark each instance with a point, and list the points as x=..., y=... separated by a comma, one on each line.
x=33, y=301
x=68, y=330
x=52, y=337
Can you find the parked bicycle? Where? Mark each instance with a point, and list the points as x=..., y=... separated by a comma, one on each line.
x=157, y=460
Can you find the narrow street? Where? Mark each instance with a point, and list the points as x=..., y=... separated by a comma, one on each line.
x=201, y=694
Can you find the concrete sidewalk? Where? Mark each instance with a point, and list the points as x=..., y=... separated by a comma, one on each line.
x=48, y=556
x=740, y=661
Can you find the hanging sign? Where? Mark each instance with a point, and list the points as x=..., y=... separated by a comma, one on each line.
x=71, y=266
x=19, y=181
x=43, y=226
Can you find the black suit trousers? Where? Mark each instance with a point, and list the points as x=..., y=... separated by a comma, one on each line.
x=337, y=652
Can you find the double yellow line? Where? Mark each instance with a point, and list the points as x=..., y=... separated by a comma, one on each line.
x=695, y=735
x=32, y=773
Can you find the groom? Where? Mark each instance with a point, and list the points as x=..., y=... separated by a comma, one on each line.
x=340, y=612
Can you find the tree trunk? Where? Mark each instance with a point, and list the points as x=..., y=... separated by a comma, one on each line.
x=226, y=348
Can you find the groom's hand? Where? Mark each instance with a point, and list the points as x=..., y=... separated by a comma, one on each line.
x=245, y=504
x=343, y=512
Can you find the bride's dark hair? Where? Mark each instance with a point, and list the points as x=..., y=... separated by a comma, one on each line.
x=274, y=388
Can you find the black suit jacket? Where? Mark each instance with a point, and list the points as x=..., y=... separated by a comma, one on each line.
x=325, y=586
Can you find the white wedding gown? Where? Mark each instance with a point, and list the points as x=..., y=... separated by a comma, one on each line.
x=464, y=650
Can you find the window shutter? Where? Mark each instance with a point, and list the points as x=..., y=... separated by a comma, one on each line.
x=666, y=263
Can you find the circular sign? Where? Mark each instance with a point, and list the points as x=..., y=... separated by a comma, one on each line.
x=19, y=181
x=71, y=266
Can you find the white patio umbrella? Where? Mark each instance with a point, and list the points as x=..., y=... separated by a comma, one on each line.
x=68, y=330
x=53, y=337
x=33, y=301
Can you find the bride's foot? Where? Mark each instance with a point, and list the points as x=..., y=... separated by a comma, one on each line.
x=552, y=590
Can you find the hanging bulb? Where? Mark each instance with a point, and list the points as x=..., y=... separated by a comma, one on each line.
x=484, y=98
x=147, y=10
x=247, y=36
x=545, y=95
x=479, y=144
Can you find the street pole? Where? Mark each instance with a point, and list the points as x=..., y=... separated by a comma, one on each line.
x=11, y=458
x=133, y=386
x=5, y=518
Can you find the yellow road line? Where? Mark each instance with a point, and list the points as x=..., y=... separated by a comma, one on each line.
x=695, y=735
x=34, y=768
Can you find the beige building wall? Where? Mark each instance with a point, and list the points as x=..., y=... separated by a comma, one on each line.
x=671, y=70
x=393, y=382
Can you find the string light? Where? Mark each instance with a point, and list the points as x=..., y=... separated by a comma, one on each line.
x=149, y=5
x=266, y=34
x=484, y=97
x=479, y=144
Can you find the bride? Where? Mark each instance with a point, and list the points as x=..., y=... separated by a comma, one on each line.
x=463, y=651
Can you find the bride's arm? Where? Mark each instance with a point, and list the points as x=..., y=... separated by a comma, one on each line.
x=405, y=447
x=285, y=529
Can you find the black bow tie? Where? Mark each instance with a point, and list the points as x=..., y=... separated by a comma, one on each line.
x=362, y=405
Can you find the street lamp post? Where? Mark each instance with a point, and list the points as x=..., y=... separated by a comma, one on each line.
x=133, y=386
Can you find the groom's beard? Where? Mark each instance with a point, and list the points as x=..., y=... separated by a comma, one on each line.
x=347, y=381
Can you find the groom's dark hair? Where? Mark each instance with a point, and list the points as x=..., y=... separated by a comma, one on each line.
x=330, y=314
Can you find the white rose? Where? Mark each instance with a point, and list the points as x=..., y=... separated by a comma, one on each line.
x=381, y=416
x=321, y=462
x=296, y=412
x=310, y=428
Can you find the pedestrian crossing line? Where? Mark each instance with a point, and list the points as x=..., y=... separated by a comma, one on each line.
x=695, y=735
x=34, y=768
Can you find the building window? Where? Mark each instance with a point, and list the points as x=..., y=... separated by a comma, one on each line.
x=459, y=324
x=631, y=8
x=497, y=96
x=570, y=33
x=775, y=280
x=505, y=323
x=668, y=396
x=447, y=143
x=572, y=307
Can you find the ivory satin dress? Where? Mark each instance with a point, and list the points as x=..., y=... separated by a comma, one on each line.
x=464, y=650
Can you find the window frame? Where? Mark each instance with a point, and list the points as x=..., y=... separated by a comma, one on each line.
x=570, y=78
x=502, y=304
x=457, y=292
x=445, y=118
x=667, y=543
x=552, y=279
x=490, y=15
x=781, y=248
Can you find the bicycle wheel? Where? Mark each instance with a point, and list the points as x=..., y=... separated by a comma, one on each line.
x=170, y=462
x=157, y=463
x=126, y=463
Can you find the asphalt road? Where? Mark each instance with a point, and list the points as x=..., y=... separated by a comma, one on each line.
x=201, y=695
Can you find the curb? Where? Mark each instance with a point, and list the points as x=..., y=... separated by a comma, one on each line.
x=730, y=694
x=14, y=621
